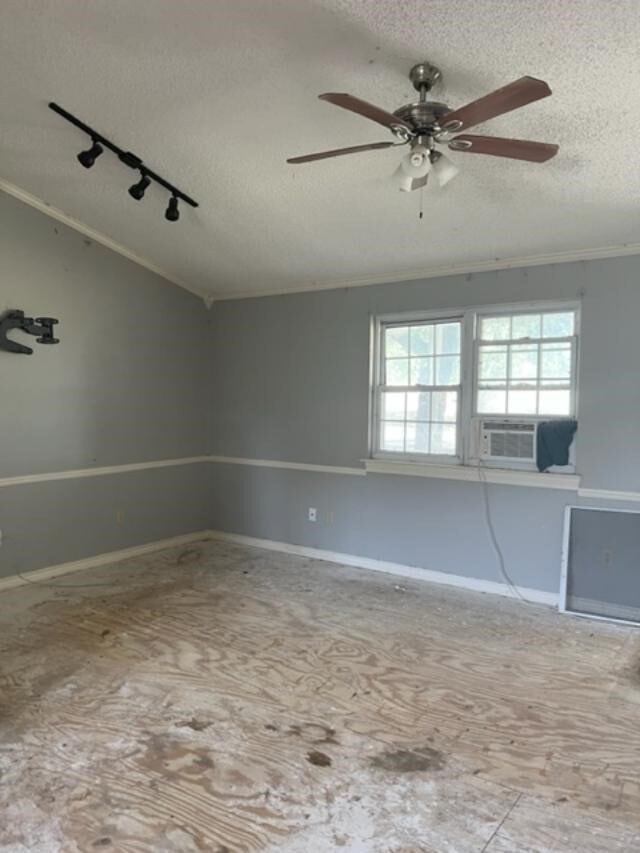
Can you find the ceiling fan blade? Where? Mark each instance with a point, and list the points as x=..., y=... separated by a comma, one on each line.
x=517, y=94
x=518, y=149
x=363, y=108
x=338, y=152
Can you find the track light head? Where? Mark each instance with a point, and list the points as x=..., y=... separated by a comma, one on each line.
x=172, y=213
x=88, y=157
x=138, y=190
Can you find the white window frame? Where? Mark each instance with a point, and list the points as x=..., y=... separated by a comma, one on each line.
x=468, y=416
x=571, y=339
x=377, y=387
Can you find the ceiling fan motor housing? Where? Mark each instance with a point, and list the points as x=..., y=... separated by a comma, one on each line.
x=424, y=117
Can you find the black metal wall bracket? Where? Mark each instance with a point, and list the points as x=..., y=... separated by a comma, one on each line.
x=41, y=327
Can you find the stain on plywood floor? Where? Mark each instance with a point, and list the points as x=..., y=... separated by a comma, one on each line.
x=223, y=698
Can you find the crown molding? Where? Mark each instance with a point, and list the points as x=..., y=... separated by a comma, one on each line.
x=92, y=234
x=442, y=271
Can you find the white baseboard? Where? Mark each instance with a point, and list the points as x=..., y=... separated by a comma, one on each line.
x=39, y=575
x=536, y=596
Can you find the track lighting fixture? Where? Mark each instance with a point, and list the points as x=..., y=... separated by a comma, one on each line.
x=137, y=191
x=172, y=213
x=89, y=157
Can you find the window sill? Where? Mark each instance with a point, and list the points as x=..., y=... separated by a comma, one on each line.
x=568, y=482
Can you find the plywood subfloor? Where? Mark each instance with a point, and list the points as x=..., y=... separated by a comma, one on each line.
x=222, y=698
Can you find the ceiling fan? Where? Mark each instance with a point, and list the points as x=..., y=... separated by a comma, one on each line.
x=424, y=124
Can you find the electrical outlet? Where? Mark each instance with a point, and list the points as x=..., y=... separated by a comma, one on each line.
x=120, y=516
x=330, y=517
x=313, y=513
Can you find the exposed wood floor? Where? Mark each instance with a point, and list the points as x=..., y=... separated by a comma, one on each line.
x=222, y=698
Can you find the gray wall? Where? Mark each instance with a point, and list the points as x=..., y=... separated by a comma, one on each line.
x=144, y=373
x=124, y=385
x=289, y=381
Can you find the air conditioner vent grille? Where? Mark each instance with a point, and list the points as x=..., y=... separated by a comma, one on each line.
x=509, y=426
x=508, y=440
x=513, y=445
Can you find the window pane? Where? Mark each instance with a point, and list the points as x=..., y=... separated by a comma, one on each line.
x=448, y=338
x=421, y=340
x=393, y=406
x=444, y=406
x=493, y=363
x=448, y=370
x=495, y=328
x=421, y=371
x=522, y=402
x=392, y=437
x=492, y=402
x=397, y=370
x=524, y=362
x=443, y=439
x=396, y=341
x=417, y=438
x=526, y=326
x=556, y=402
x=558, y=325
x=540, y=374
x=556, y=363
x=418, y=405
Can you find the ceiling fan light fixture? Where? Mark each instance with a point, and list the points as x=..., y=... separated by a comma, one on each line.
x=413, y=169
x=443, y=168
x=407, y=184
x=416, y=164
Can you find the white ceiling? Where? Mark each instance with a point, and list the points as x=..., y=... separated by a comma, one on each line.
x=215, y=94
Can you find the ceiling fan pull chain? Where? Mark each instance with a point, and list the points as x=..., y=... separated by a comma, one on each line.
x=420, y=214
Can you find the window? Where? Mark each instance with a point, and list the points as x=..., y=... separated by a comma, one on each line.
x=437, y=377
x=525, y=364
x=419, y=393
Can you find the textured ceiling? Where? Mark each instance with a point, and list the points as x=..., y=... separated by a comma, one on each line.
x=215, y=94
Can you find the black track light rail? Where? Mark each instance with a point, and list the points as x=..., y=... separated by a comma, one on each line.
x=126, y=157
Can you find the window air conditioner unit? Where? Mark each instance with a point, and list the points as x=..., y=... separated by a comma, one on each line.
x=514, y=440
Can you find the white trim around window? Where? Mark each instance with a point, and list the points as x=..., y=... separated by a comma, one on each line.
x=389, y=426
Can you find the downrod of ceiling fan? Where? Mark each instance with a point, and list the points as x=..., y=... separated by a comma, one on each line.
x=424, y=77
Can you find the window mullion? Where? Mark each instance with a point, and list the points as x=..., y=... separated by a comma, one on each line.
x=468, y=363
x=539, y=377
